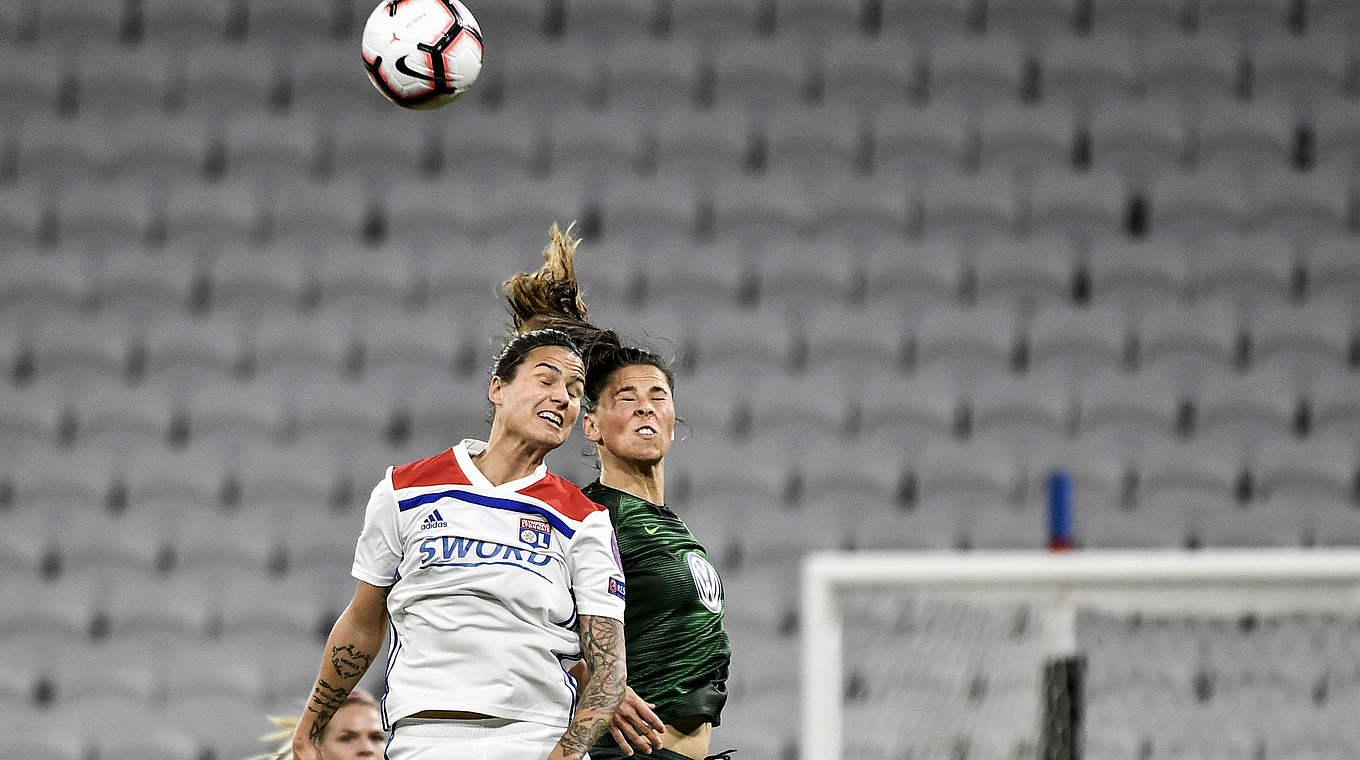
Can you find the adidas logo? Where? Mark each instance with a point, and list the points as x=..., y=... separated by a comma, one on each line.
x=433, y=520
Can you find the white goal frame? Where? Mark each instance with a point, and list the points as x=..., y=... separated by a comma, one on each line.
x=1331, y=577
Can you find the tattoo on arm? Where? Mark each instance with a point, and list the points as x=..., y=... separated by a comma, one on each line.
x=350, y=664
x=602, y=643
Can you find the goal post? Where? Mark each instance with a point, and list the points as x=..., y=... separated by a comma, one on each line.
x=1053, y=587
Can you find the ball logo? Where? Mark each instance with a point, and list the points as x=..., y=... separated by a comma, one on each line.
x=706, y=581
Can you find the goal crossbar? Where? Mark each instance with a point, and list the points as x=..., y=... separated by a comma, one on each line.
x=1330, y=576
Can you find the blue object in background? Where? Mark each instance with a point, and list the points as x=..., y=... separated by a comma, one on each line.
x=1059, y=510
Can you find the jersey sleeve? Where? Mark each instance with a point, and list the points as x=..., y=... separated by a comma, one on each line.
x=378, y=553
x=596, y=575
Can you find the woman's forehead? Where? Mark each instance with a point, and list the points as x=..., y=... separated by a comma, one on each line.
x=556, y=356
x=641, y=377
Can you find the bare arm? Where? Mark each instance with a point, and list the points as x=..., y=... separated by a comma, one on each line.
x=634, y=724
x=602, y=643
x=352, y=646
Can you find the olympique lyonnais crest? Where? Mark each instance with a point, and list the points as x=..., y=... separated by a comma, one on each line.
x=535, y=532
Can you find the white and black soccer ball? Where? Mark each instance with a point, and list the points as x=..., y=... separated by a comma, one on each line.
x=422, y=53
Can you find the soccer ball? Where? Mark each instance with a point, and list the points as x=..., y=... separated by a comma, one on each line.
x=422, y=53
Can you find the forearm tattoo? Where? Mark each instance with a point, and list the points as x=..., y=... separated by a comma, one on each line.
x=602, y=643
x=350, y=664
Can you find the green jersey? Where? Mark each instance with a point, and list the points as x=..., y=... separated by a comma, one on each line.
x=673, y=625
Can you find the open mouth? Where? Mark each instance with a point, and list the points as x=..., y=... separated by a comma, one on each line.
x=552, y=417
x=646, y=431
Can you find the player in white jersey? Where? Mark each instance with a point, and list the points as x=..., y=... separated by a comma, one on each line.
x=495, y=578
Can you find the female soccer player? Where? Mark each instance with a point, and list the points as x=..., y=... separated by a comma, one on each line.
x=678, y=650
x=495, y=577
x=355, y=732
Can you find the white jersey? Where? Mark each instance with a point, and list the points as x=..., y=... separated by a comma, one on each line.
x=487, y=583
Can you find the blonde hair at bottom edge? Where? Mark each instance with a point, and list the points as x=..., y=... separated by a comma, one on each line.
x=287, y=726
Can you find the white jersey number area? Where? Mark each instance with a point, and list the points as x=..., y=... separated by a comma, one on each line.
x=706, y=581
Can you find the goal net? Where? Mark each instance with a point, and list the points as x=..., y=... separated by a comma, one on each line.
x=1139, y=655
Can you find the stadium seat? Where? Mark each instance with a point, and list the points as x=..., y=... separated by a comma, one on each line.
x=440, y=215
x=1244, y=411
x=266, y=148
x=605, y=22
x=1246, y=19
x=191, y=478
x=1136, y=275
x=599, y=148
x=1096, y=471
x=44, y=292
x=828, y=279
x=1199, y=204
x=700, y=145
x=157, y=153
x=763, y=75
x=976, y=71
x=228, y=416
x=1156, y=522
x=862, y=212
x=1333, y=271
x=1305, y=206
x=1023, y=139
x=927, y=20
x=970, y=207
x=1128, y=410
x=904, y=412
x=344, y=412
x=651, y=76
x=914, y=276
x=1089, y=71
x=866, y=337
x=560, y=75
x=103, y=669
x=93, y=217
x=183, y=353
x=1192, y=69
x=447, y=409
x=29, y=91
x=1245, y=137
x=968, y=342
x=767, y=340
x=1030, y=20
x=232, y=83
x=227, y=214
x=117, y=82
x=516, y=216
x=818, y=141
x=1078, y=341
x=139, y=604
x=130, y=417
x=1139, y=140
x=1336, y=410
x=1309, y=341
x=25, y=215
x=818, y=20
x=249, y=537
x=406, y=350
x=794, y=405
x=1338, y=133
x=1188, y=472
x=708, y=402
x=1081, y=206
x=867, y=76
x=911, y=141
x=1248, y=271
x=1303, y=72
x=101, y=540
x=753, y=213
x=381, y=151
x=58, y=153
x=967, y=475
x=363, y=281
x=710, y=21
x=156, y=743
x=759, y=480
x=315, y=215
x=1023, y=410
x=283, y=26
x=1189, y=340
x=1025, y=274
x=175, y=25
x=1306, y=469
x=321, y=81
x=71, y=23
x=638, y=213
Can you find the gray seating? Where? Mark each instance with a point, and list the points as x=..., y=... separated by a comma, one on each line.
x=1024, y=139
x=1025, y=274
x=910, y=141
x=973, y=71
x=1082, y=206
x=1078, y=341
x=1088, y=71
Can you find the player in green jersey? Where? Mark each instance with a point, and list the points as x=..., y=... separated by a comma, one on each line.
x=678, y=650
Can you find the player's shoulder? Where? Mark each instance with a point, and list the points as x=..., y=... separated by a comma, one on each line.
x=438, y=470
x=564, y=496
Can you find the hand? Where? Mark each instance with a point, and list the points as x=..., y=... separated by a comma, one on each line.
x=635, y=725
